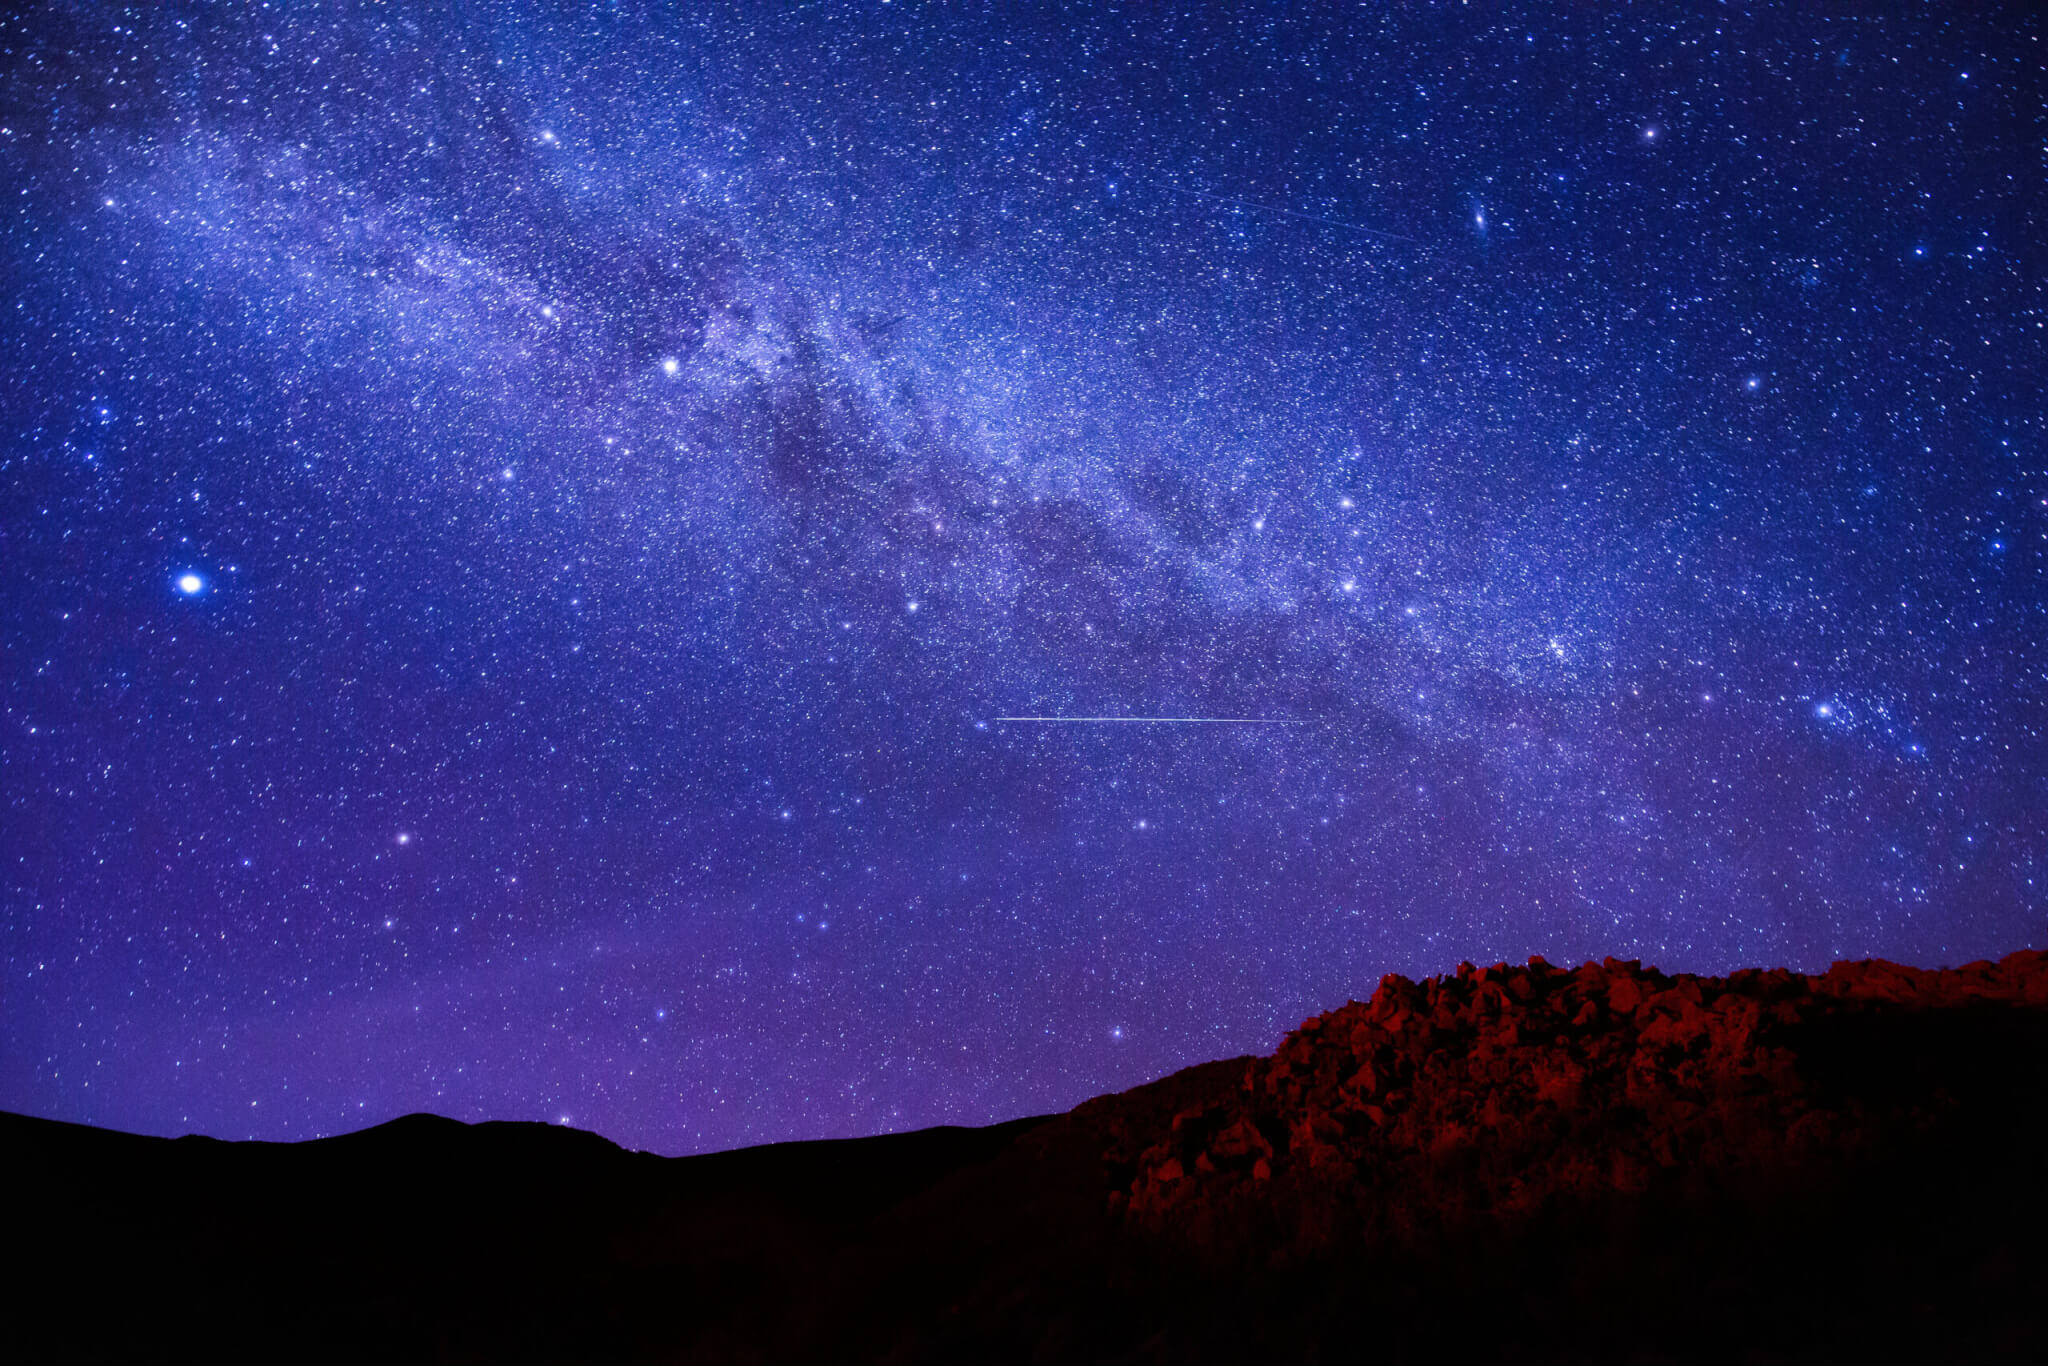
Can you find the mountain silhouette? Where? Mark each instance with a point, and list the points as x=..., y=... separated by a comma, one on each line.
x=1501, y=1164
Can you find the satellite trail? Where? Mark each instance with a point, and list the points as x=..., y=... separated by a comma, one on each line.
x=1156, y=720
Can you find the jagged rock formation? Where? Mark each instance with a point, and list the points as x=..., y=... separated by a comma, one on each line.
x=1500, y=1092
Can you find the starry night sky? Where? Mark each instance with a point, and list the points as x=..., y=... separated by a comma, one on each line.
x=520, y=524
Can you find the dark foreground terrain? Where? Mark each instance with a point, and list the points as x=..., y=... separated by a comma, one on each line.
x=1509, y=1164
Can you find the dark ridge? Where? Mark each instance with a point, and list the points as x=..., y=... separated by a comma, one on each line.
x=1505, y=1164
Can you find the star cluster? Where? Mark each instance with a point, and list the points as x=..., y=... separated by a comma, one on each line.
x=524, y=522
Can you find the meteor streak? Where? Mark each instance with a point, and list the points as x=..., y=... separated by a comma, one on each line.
x=1158, y=720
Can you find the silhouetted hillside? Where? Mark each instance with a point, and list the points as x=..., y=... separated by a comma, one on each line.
x=1510, y=1164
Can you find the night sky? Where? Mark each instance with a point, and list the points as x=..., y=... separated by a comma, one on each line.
x=521, y=524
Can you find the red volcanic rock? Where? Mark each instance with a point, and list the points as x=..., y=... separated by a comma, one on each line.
x=1499, y=1092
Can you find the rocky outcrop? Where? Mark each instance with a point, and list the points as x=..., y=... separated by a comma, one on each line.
x=1503, y=1092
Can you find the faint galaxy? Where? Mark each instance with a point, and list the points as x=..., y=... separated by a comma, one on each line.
x=523, y=522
